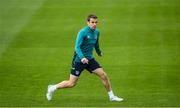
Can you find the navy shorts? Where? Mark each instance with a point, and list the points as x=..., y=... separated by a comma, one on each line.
x=78, y=67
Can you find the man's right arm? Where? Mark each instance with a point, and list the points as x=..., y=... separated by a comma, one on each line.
x=79, y=41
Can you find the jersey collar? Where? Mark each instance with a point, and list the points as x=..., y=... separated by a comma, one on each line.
x=92, y=30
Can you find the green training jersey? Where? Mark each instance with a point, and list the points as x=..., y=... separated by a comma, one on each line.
x=87, y=39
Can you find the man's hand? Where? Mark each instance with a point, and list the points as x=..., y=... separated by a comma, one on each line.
x=84, y=60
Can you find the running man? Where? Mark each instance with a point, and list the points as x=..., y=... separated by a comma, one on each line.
x=87, y=39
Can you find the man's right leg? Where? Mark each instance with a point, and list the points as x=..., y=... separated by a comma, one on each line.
x=64, y=84
x=68, y=83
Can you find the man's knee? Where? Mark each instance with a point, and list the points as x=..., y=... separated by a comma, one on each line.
x=71, y=84
x=103, y=75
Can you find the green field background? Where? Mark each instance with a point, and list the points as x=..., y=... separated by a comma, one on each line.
x=140, y=40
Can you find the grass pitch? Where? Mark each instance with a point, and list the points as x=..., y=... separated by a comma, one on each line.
x=139, y=38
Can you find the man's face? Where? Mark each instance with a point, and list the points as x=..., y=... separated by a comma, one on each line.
x=92, y=23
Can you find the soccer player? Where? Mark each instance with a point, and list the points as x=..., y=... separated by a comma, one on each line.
x=86, y=41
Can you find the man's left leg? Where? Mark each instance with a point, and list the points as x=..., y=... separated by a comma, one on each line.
x=104, y=78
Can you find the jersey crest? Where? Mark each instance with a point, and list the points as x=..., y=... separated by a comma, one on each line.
x=88, y=37
x=95, y=37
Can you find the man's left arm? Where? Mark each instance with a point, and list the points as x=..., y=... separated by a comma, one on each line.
x=98, y=51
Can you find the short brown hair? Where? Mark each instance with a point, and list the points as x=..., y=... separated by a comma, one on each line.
x=91, y=16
